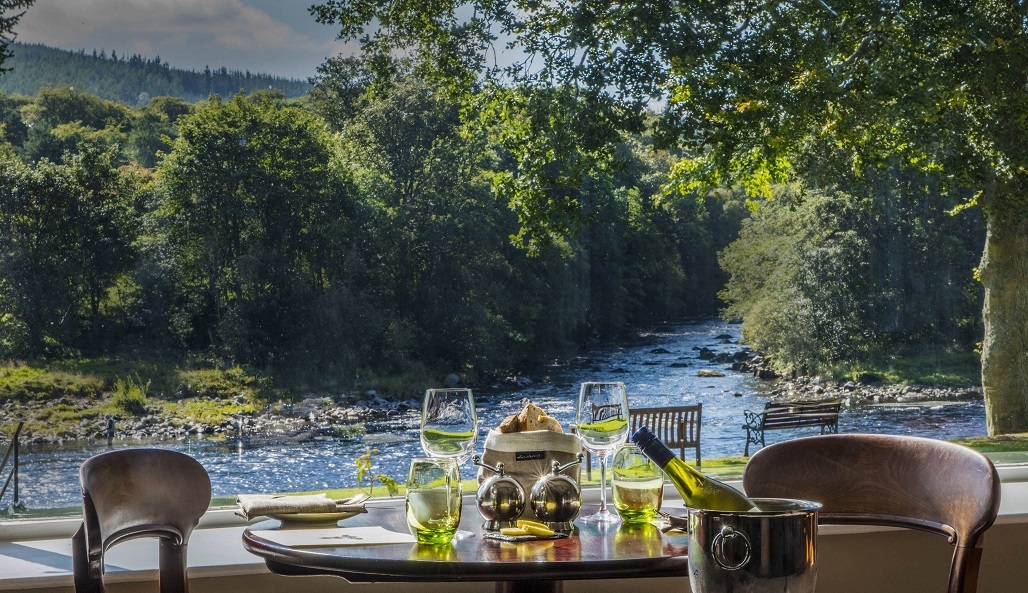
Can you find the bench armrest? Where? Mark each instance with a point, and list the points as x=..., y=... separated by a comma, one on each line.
x=754, y=420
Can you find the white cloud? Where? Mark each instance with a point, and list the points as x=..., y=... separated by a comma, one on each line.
x=185, y=33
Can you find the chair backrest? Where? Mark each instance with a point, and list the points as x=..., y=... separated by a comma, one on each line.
x=676, y=426
x=139, y=493
x=899, y=481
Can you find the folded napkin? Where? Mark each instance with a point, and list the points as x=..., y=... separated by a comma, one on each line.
x=673, y=523
x=521, y=538
x=255, y=505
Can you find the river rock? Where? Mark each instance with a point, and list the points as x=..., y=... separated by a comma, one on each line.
x=709, y=373
x=868, y=379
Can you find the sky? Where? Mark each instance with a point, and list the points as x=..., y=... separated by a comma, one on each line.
x=270, y=36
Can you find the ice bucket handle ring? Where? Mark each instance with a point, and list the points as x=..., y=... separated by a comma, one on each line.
x=717, y=548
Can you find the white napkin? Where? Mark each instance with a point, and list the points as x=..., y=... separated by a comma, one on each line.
x=255, y=505
x=335, y=537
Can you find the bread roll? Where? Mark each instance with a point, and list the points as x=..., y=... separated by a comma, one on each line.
x=510, y=424
x=531, y=417
x=550, y=423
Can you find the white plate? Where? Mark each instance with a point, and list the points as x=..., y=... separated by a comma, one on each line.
x=313, y=517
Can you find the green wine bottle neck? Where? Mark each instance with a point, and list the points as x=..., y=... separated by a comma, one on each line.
x=651, y=447
x=697, y=490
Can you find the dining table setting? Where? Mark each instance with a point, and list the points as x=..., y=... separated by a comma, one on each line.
x=527, y=529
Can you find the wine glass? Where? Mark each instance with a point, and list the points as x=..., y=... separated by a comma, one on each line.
x=449, y=428
x=449, y=424
x=602, y=419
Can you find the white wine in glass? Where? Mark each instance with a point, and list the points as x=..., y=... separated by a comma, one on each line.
x=449, y=424
x=602, y=424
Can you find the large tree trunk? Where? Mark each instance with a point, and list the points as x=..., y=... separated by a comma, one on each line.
x=1004, y=272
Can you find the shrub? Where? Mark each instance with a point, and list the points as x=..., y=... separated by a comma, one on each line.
x=130, y=395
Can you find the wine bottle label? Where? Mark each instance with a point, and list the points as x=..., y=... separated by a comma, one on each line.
x=651, y=446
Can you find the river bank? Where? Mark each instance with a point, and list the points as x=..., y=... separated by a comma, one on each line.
x=347, y=415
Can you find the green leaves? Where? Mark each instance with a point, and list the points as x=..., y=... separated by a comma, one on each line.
x=248, y=193
x=364, y=464
x=65, y=238
x=11, y=12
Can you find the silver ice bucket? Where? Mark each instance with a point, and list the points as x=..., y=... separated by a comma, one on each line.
x=770, y=550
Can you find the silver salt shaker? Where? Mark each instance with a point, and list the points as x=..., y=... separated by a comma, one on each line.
x=501, y=499
x=557, y=498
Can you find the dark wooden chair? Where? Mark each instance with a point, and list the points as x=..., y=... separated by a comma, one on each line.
x=897, y=481
x=136, y=493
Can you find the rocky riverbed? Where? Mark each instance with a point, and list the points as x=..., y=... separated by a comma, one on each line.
x=292, y=421
x=854, y=394
x=344, y=416
x=705, y=351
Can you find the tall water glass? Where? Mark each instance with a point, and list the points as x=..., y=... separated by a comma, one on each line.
x=433, y=499
x=637, y=484
x=602, y=424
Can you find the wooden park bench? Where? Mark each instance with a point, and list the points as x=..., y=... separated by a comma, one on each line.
x=678, y=427
x=794, y=414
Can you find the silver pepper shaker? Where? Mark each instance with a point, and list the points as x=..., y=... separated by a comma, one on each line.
x=501, y=499
x=557, y=498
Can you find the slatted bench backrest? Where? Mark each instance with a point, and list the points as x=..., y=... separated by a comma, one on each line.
x=677, y=427
x=798, y=414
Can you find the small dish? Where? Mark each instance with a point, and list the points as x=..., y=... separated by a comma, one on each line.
x=313, y=518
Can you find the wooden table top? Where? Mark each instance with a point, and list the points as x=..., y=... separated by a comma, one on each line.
x=591, y=552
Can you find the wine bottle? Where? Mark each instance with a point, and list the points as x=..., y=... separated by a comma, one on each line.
x=697, y=490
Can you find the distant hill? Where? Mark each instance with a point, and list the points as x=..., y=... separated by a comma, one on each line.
x=128, y=79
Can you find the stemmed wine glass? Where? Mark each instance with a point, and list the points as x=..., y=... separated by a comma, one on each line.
x=449, y=424
x=602, y=419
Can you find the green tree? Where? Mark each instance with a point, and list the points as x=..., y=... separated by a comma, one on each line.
x=11, y=12
x=441, y=227
x=59, y=119
x=801, y=281
x=751, y=85
x=13, y=129
x=245, y=194
x=153, y=129
x=66, y=240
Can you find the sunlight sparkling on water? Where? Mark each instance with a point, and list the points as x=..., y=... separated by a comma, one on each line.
x=49, y=474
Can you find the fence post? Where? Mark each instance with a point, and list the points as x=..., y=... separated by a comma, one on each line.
x=17, y=437
x=13, y=448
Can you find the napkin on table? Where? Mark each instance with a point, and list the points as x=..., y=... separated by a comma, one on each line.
x=255, y=505
x=334, y=538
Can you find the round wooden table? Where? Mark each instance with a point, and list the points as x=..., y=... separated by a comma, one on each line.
x=592, y=552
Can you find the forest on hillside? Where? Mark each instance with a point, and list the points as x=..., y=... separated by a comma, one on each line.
x=355, y=234
x=130, y=79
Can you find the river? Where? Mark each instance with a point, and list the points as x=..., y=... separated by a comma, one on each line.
x=658, y=368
